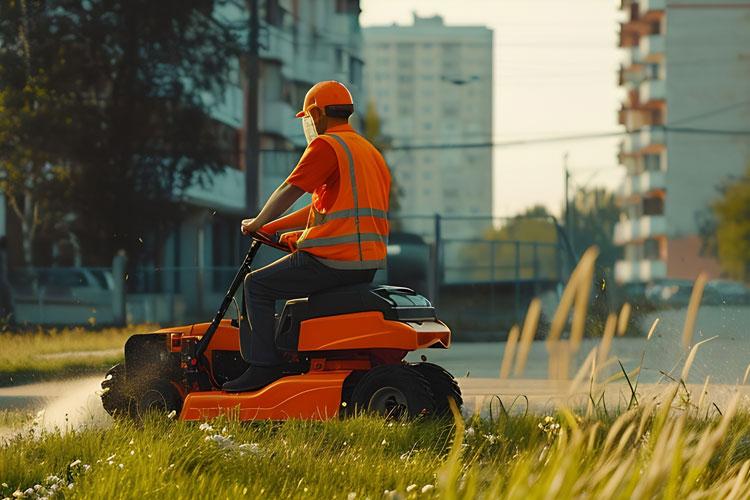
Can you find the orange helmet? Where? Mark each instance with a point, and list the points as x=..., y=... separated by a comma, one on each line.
x=332, y=97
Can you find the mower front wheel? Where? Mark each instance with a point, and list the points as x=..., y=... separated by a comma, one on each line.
x=443, y=385
x=394, y=391
x=159, y=396
x=116, y=398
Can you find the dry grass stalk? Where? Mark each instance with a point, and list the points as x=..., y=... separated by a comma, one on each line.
x=691, y=358
x=583, y=291
x=606, y=343
x=530, y=324
x=510, y=350
x=652, y=329
x=747, y=372
x=704, y=392
x=622, y=320
x=692, y=310
x=569, y=294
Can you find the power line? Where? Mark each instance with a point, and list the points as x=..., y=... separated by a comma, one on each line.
x=565, y=138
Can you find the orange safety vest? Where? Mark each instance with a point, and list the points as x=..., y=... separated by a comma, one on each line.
x=353, y=232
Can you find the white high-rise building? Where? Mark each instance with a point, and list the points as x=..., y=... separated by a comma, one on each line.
x=431, y=84
x=686, y=104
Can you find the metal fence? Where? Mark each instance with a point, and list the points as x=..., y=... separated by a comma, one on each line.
x=480, y=271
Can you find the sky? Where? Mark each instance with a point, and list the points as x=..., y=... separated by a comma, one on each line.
x=555, y=74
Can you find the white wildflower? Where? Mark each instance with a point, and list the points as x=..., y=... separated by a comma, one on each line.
x=122, y=466
x=75, y=463
x=411, y=488
x=29, y=492
x=253, y=448
x=172, y=414
x=470, y=431
x=351, y=496
x=427, y=487
x=384, y=442
x=206, y=427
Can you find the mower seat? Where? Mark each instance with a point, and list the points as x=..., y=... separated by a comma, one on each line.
x=396, y=303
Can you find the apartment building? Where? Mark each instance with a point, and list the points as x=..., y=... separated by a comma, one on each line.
x=431, y=84
x=685, y=79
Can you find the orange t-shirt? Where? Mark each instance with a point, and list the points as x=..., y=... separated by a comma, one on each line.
x=317, y=171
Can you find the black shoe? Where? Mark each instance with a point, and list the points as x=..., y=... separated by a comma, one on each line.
x=254, y=378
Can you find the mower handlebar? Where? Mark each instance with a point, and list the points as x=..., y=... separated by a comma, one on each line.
x=270, y=240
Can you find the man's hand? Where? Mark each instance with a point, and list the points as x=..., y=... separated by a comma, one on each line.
x=250, y=226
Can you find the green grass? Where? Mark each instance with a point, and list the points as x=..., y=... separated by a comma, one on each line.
x=651, y=451
x=44, y=354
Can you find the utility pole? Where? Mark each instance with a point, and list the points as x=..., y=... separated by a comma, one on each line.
x=568, y=212
x=252, y=140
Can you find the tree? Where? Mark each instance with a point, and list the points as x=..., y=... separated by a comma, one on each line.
x=595, y=213
x=732, y=223
x=373, y=133
x=529, y=239
x=107, y=102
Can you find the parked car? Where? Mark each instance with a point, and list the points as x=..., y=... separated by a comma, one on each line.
x=669, y=293
x=63, y=284
x=721, y=292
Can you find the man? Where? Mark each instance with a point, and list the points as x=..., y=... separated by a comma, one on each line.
x=345, y=227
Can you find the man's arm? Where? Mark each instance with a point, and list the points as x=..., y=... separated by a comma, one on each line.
x=279, y=202
x=294, y=220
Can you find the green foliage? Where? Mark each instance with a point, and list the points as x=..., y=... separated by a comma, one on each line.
x=732, y=226
x=529, y=238
x=107, y=101
x=372, y=130
x=44, y=354
x=648, y=452
x=594, y=214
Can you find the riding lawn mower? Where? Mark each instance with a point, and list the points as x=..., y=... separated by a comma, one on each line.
x=344, y=350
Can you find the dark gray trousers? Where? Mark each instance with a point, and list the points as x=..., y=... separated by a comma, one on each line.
x=294, y=276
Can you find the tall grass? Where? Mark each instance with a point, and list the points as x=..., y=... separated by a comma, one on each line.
x=658, y=449
x=42, y=354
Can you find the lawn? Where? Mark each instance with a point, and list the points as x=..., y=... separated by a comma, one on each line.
x=44, y=354
x=665, y=450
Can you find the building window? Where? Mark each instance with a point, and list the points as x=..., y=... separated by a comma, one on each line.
x=355, y=70
x=653, y=206
x=651, y=249
x=651, y=162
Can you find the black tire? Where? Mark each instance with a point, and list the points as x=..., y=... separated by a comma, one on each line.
x=443, y=386
x=158, y=396
x=116, y=398
x=393, y=391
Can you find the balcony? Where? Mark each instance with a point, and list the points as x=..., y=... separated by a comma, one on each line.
x=652, y=139
x=633, y=57
x=224, y=191
x=652, y=92
x=643, y=227
x=641, y=184
x=652, y=10
x=277, y=117
x=631, y=144
x=651, y=47
x=639, y=271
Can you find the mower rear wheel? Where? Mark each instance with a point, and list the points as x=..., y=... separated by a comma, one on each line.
x=394, y=391
x=443, y=386
x=116, y=398
x=159, y=396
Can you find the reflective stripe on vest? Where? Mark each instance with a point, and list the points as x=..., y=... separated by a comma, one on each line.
x=339, y=240
x=320, y=218
x=355, y=194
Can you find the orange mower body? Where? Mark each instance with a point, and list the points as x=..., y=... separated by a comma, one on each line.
x=344, y=350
